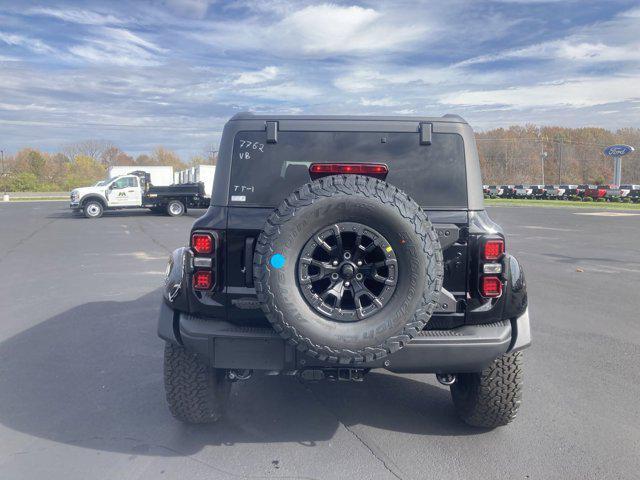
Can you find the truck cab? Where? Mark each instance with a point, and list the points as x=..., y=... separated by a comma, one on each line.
x=119, y=192
x=124, y=191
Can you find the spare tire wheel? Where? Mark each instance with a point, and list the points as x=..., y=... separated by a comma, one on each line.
x=348, y=269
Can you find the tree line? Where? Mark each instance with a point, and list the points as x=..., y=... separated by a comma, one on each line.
x=513, y=155
x=555, y=155
x=80, y=164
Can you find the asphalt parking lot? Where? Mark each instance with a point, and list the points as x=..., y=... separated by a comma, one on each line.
x=81, y=393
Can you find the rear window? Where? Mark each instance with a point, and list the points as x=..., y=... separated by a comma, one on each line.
x=264, y=174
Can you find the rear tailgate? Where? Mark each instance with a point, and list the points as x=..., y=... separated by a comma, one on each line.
x=434, y=175
x=245, y=224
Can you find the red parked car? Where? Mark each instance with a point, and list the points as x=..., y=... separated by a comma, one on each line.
x=596, y=191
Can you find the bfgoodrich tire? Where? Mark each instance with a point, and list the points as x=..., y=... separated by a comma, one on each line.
x=349, y=217
x=196, y=393
x=490, y=398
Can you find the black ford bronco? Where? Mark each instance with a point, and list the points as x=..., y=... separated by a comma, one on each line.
x=336, y=245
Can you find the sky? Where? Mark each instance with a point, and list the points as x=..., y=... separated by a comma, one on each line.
x=147, y=73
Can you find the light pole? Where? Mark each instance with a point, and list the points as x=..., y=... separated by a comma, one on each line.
x=543, y=154
x=5, y=197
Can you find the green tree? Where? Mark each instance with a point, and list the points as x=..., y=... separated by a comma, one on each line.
x=19, y=182
x=83, y=171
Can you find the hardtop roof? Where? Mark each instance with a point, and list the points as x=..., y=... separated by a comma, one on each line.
x=448, y=118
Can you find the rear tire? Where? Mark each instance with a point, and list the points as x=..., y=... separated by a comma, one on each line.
x=492, y=397
x=92, y=209
x=175, y=208
x=195, y=392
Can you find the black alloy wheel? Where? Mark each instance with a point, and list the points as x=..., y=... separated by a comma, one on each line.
x=347, y=272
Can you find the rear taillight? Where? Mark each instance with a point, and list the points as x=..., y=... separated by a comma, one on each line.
x=378, y=170
x=205, y=246
x=202, y=280
x=490, y=286
x=202, y=243
x=493, y=249
x=491, y=266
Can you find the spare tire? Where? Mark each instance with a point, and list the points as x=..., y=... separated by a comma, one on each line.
x=348, y=269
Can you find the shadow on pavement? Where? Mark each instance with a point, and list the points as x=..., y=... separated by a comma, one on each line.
x=92, y=377
x=133, y=212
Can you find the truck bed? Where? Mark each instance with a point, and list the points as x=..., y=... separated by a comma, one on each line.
x=177, y=190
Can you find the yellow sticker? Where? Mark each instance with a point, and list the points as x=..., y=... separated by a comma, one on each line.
x=389, y=249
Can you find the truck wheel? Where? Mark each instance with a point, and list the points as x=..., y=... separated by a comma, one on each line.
x=92, y=209
x=492, y=397
x=196, y=393
x=175, y=208
x=348, y=269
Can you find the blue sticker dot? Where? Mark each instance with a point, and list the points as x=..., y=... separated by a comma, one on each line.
x=277, y=260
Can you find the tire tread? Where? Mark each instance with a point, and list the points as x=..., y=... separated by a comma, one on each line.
x=352, y=185
x=493, y=395
x=195, y=392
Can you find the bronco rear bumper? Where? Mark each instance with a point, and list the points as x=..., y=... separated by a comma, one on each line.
x=221, y=344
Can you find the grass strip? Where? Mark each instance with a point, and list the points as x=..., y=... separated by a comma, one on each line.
x=515, y=202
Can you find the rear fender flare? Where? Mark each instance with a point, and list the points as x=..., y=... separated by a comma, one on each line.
x=175, y=291
x=515, y=293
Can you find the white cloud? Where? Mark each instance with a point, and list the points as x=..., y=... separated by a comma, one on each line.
x=32, y=44
x=406, y=111
x=584, y=92
x=598, y=52
x=633, y=13
x=72, y=15
x=369, y=80
x=614, y=40
x=320, y=31
x=286, y=91
x=366, y=79
x=379, y=102
x=117, y=46
x=260, y=76
x=572, y=48
x=328, y=29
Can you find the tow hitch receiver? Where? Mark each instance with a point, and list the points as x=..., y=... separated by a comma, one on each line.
x=333, y=374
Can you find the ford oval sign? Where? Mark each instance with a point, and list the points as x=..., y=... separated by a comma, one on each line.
x=618, y=150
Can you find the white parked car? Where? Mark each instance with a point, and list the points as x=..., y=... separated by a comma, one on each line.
x=523, y=191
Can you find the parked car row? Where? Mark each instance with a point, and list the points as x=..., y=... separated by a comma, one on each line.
x=565, y=192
